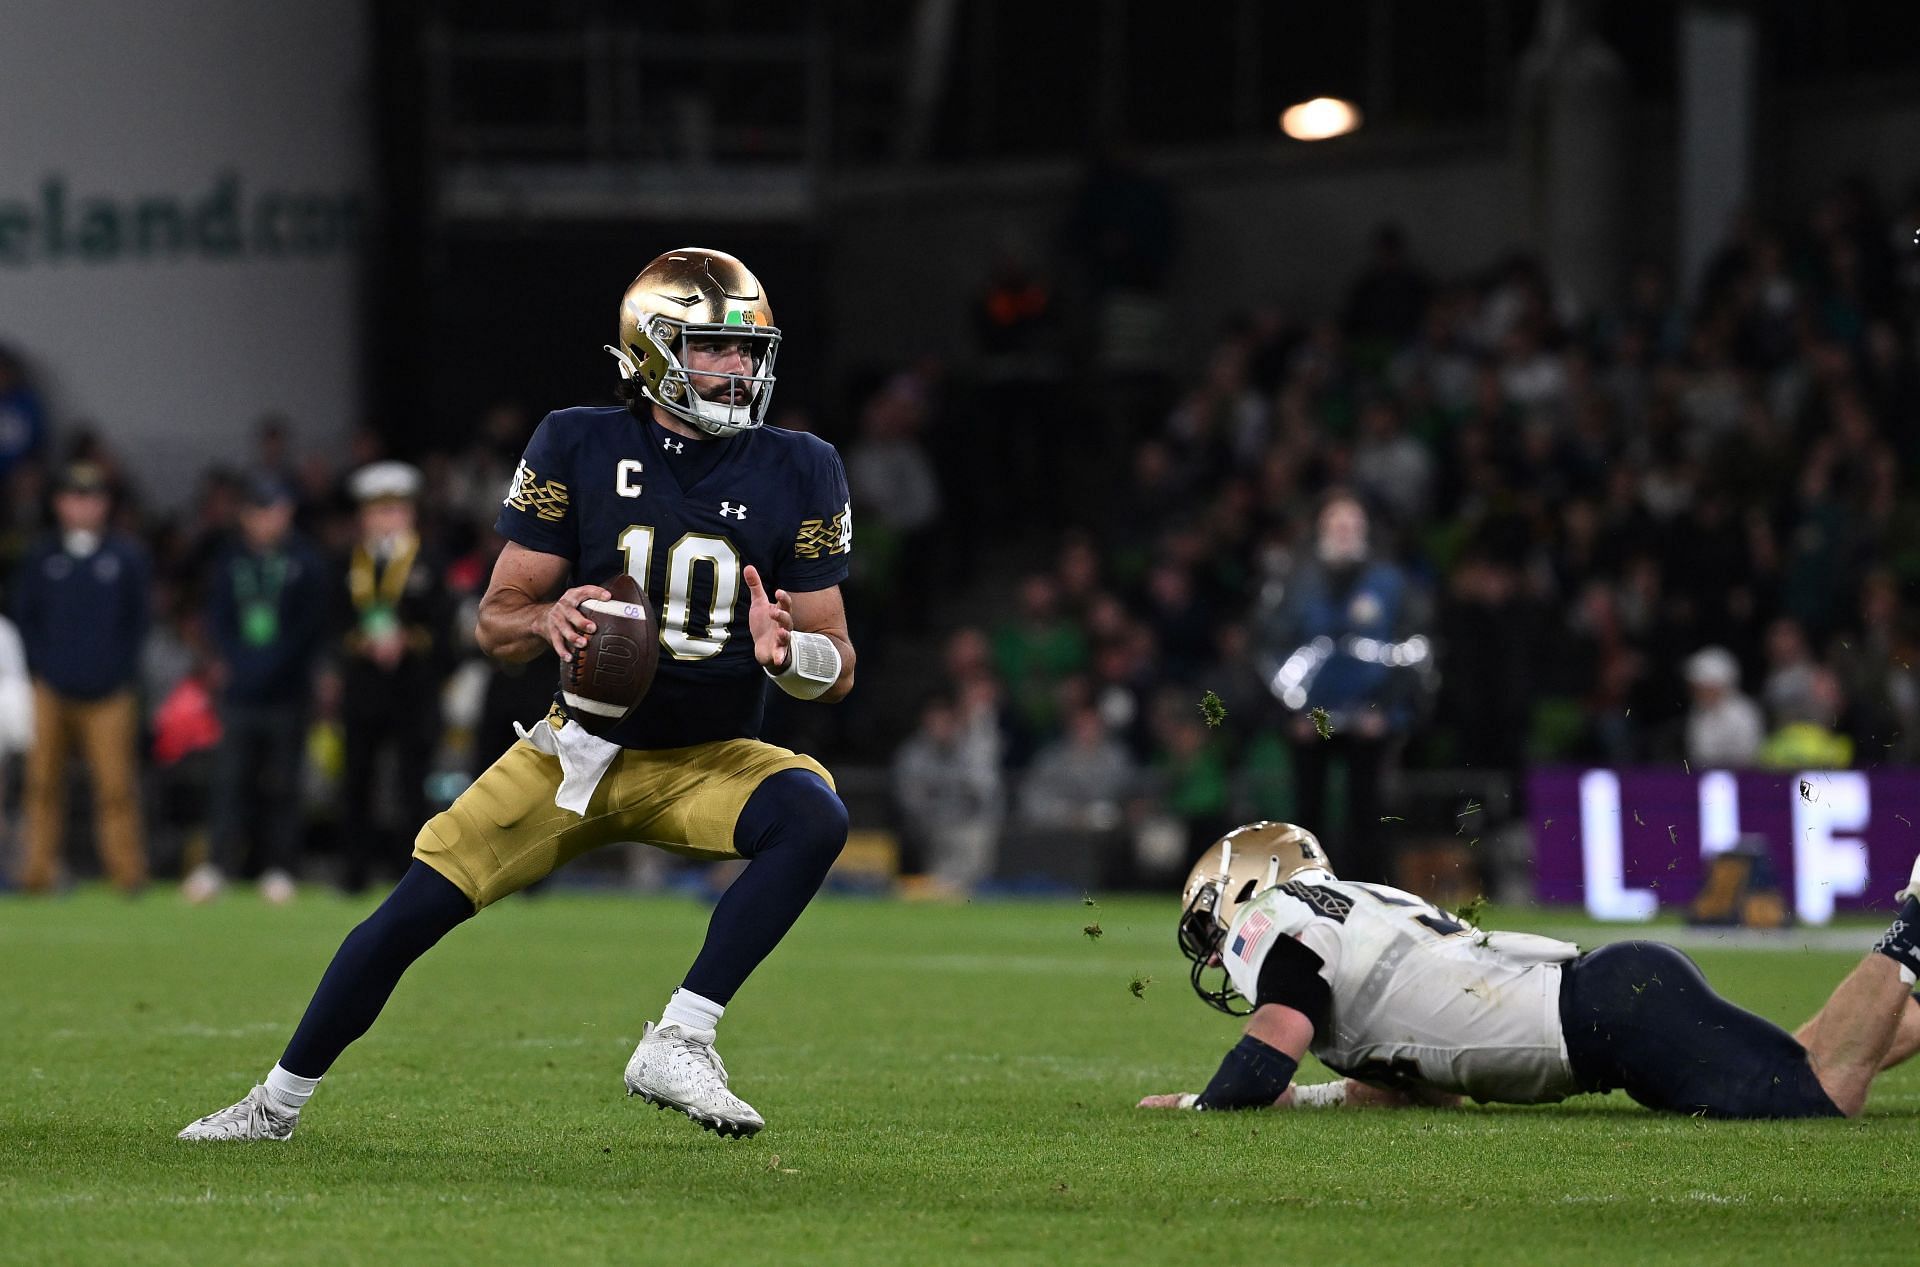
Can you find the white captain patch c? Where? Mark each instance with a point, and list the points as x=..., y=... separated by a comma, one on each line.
x=625, y=477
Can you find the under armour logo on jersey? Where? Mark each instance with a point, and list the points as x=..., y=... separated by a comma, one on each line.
x=738, y=512
x=673, y=446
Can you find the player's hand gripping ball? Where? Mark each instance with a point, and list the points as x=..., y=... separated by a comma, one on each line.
x=607, y=678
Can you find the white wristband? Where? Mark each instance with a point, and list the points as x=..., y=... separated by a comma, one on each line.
x=813, y=666
x=1320, y=1095
x=1188, y=1099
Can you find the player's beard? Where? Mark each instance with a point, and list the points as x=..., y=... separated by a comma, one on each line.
x=730, y=392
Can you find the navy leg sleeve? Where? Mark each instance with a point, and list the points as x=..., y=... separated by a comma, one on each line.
x=791, y=830
x=1638, y=1016
x=422, y=909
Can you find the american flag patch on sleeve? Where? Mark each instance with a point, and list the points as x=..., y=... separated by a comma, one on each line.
x=1250, y=936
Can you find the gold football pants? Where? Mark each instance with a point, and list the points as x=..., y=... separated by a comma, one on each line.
x=505, y=832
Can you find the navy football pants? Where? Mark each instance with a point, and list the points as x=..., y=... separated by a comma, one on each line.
x=1638, y=1016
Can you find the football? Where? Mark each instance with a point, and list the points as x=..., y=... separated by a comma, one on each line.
x=607, y=678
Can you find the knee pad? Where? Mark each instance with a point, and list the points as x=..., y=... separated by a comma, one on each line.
x=793, y=807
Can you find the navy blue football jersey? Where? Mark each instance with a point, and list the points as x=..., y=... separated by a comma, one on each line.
x=612, y=493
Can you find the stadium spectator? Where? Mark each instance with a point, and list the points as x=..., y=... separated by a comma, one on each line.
x=896, y=501
x=1724, y=727
x=185, y=726
x=1809, y=740
x=394, y=652
x=1183, y=624
x=1788, y=691
x=1122, y=678
x=1488, y=625
x=1874, y=669
x=266, y=616
x=81, y=598
x=1081, y=781
x=1189, y=767
x=1036, y=650
x=1391, y=468
x=981, y=699
x=1340, y=609
x=947, y=786
x=478, y=475
x=273, y=451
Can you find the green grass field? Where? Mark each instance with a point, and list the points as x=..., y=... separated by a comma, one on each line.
x=942, y=1084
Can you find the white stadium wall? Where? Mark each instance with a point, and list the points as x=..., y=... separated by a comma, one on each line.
x=182, y=194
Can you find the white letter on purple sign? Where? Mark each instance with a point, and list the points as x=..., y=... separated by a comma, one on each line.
x=1608, y=896
x=1826, y=866
x=1719, y=813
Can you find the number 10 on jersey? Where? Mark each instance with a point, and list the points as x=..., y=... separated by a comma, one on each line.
x=676, y=614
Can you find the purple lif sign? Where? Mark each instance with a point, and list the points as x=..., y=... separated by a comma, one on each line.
x=1627, y=843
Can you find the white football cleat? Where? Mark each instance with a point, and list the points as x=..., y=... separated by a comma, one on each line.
x=277, y=888
x=1913, y=884
x=255, y=1117
x=675, y=1068
x=203, y=884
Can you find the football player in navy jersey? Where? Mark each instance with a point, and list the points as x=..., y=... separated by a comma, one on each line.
x=741, y=534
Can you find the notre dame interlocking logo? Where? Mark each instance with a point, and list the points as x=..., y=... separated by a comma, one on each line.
x=548, y=500
x=825, y=536
x=1324, y=901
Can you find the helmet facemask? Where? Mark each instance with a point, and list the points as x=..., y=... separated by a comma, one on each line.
x=1238, y=867
x=656, y=367
x=1202, y=933
x=682, y=297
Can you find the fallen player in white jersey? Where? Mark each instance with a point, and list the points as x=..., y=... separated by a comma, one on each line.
x=1414, y=1006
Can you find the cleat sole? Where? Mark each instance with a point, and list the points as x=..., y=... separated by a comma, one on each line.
x=724, y=1129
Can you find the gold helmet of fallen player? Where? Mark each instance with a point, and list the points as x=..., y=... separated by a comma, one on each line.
x=686, y=297
x=1241, y=864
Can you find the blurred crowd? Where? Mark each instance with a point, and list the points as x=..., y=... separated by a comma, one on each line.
x=280, y=672
x=1107, y=594
x=1460, y=524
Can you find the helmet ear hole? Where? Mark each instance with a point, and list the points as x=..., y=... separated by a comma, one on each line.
x=1245, y=894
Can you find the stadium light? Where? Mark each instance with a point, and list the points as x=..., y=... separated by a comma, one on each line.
x=1320, y=119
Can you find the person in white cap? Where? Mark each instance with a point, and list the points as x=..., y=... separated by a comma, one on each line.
x=395, y=638
x=1724, y=727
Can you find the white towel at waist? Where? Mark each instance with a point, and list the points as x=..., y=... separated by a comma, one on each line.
x=584, y=759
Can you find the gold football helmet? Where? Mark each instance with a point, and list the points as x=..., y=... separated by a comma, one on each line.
x=1245, y=862
x=696, y=293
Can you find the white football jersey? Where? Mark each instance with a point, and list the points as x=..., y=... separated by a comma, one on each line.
x=1418, y=998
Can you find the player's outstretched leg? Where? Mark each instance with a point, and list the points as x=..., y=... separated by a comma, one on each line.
x=1860, y=1030
x=421, y=910
x=791, y=830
